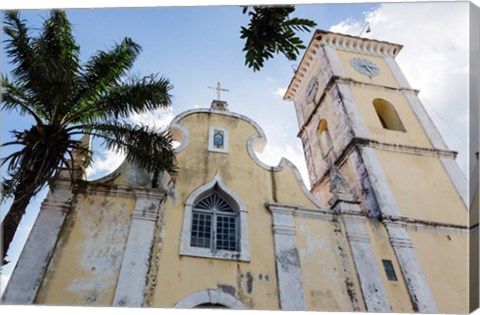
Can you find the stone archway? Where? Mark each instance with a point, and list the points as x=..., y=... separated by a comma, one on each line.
x=210, y=297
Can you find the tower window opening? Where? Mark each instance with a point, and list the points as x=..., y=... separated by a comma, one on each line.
x=326, y=144
x=387, y=115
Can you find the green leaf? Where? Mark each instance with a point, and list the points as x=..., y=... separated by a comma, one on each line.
x=271, y=31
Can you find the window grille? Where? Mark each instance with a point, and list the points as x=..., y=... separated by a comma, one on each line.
x=214, y=224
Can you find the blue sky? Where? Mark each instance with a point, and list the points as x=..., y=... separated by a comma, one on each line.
x=197, y=46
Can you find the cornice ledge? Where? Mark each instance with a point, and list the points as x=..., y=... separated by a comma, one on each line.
x=119, y=190
x=358, y=44
x=286, y=208
x=384, y=146
x=405, y=148
x=425, y=225
x=338, y=41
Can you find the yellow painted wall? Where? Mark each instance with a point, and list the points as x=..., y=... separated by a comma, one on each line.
x=422, y=188
x=254, y=282
x=396, y=290
x=384, y=77
x=449, y=279
x=85, y=266
x=414, y=135
x=321, y=247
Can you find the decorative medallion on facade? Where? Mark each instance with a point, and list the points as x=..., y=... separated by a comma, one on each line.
x=218, y=139
x=365, y=66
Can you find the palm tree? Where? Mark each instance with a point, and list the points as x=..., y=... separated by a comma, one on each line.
x=68, y=99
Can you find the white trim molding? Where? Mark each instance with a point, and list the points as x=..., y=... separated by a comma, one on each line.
x=451, y=167
x=415, y=280
x=28, y=274
x=210, y=296
x=374, y=293
x=185, y=249
x=397, y=72
x=254, y=143
x=338, y=42
x=458, y=179
x=180, y=134
x=371, y=284
x=287, y=260
x=132, y=280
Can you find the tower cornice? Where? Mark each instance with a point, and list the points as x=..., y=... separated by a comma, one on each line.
x=356, y=143
x=341, y=42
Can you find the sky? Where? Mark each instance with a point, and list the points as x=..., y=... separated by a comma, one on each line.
x=196, y=47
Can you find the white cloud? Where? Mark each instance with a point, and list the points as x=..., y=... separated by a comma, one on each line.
x=157, y=119
x=351, y=27
x=434, y=59
x=273, y=153
x=280, y=91
x=106, y=161
x=3, y=283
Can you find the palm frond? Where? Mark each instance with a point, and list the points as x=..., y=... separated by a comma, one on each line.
x=132, y=96
x=16, y=97
x=142, y=145
x=46, y=66
x=18, y=45
x=271, y=31
x=58, y=60
x=103, y=71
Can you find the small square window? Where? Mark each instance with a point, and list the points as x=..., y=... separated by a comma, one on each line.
x=388, y=266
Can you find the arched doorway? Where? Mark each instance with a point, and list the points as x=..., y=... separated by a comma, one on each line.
x=210, y=299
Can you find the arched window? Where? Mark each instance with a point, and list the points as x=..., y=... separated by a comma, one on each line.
x=215, y=223
x=326, y=144
x=388, y=115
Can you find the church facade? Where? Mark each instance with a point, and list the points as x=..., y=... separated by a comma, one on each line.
x=384, y=227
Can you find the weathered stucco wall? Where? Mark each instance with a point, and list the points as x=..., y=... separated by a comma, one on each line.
x=254, y=282
x=434, y=197
x=84, y=268
x=329, y=276
x=414, y=135
x=452, y=274
x=396, y=290
x=384, y=77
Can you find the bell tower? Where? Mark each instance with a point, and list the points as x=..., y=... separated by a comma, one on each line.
x=357, y=113
x=356, y=109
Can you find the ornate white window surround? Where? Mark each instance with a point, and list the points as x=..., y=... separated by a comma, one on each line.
x=217, y=185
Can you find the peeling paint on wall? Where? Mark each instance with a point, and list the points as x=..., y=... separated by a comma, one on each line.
x=346, y=267
x=155, y=257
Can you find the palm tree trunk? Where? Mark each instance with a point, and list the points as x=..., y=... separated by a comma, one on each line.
x=12, y=219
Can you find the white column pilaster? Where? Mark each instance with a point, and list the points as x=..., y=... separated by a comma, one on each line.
x=350, y=108
x=132, y=281
x=289, y=274
x=417, y=284
x=28, y=274
x=364, y=258
x=397, y=72
x=379, y=182
x=451, y=166
x=374, y=293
